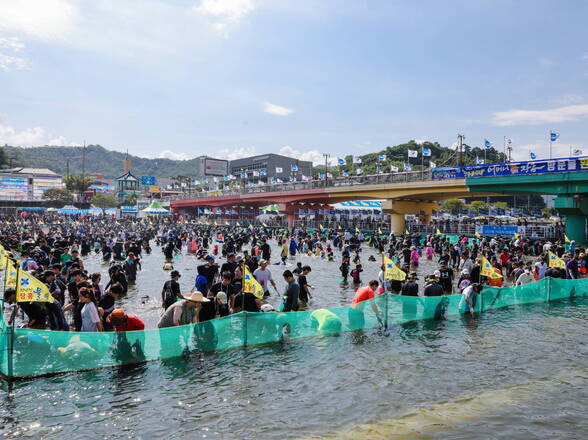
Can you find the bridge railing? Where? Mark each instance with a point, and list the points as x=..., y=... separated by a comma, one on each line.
x=372, y=179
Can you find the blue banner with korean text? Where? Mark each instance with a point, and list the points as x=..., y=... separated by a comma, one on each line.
x=512, y=168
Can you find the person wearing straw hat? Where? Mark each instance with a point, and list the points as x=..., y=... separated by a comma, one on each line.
x=183, y=312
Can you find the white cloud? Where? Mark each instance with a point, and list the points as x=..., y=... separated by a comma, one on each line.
x=26, y=137
x=12, y=62
x=546, y=62
x=536, y=117
x=421, y=141
x=236, y=153
x=39, y=19
x=13, y=44
x=29, y=137
x=315, y=156
x=223, y=13
x=585, y=56
x=278, y=110
x=168, y=154
x=9, y=62
x=61, y=141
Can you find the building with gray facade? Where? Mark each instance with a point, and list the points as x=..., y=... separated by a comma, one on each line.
x=267, y=167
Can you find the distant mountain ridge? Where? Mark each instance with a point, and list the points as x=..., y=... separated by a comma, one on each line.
x=98, y=160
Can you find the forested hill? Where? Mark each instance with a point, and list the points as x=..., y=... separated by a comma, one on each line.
x=98, y=160
x=110, y=163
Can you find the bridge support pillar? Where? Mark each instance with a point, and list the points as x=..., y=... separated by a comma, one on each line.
x=575, y=208
x=290, y=211
x=399, y=208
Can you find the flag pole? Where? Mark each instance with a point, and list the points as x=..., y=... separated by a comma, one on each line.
x=11, y=336
x=550, y=144
x=243, y=305
x=422, y=164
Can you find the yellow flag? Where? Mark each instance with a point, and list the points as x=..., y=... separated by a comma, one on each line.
x=10, y=274
x=567, y=238
x=321, y=227
x=238, y=224
x=379, y=231
x=28, y=288
x=478, y=235
x=357, y=230
x=391, y=271
x=487, y=269
x=555, y=261
x=438, y=232
x=264, y=225
x=250, y=284
x=517, y=235
x=406, y=232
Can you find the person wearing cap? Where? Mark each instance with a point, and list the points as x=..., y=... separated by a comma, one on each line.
x=123, y=322
x=210, y=269
x=263, y=276
x=222, y=306
x=468, y=299
x=433, y=288
x=230, y=265
x=410, y=287
x=106, y=303
x=171, y=290
x=209, y=311
x=183, y=312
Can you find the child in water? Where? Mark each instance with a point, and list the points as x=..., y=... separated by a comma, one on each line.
x=355, y=274
x=344, y=268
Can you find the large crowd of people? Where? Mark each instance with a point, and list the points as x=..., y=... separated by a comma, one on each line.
x=54, y=251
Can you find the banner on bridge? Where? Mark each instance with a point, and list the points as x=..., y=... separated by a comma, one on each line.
x=499, y=230
x=512, y=168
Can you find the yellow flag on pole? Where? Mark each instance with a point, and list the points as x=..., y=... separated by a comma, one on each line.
x=379, y=231
x=10, y=274
x=567, y=238
x=321, y=227
x=555, y=261
x=391, y=271
x=238, y=224
x=357, y=230
x=28, y=288
x=438, y=232
x=250, y=284
x=488, y=270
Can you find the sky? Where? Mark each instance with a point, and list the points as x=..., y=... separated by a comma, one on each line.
x=233, y=78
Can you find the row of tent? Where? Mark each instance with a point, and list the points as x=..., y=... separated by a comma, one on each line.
x=154, y=208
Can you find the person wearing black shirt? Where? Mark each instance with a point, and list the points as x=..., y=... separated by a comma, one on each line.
x=266, y=251
x=433, y=288
x=304, y=294
x=291, y=294
x=107, y=303
x=410, y=288
x=208, y=310
x=171, y=290
x=230, y=265
x=446, y=277
x=243, y=301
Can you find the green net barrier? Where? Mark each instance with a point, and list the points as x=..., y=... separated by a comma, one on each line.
x=36, y=352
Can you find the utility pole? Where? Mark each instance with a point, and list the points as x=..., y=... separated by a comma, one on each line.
x=460, y=139
x=67, y=167
x=84, y=160
x=326, y=166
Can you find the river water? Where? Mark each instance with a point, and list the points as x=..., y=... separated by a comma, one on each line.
x=519, y=373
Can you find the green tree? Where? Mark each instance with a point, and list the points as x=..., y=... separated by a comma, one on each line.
x=104, y=201
x=78, y=184
x=478, y=205
x=453, y=206
x=58, y=197
x=130, y=199
x=500, y=205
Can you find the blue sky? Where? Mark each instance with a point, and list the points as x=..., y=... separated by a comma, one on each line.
x=231, y=78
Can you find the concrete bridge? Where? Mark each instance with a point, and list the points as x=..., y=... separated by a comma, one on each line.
x=418, y=193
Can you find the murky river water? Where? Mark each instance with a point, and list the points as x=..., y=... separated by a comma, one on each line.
x=518, y=373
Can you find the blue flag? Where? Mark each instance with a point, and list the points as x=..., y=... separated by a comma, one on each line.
x=293, y=167
x=381, y=157
x=487, y=143
x=341, y=161
x=553, y=136
x=426, y=152
x=407, y=167
x=533, y=156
